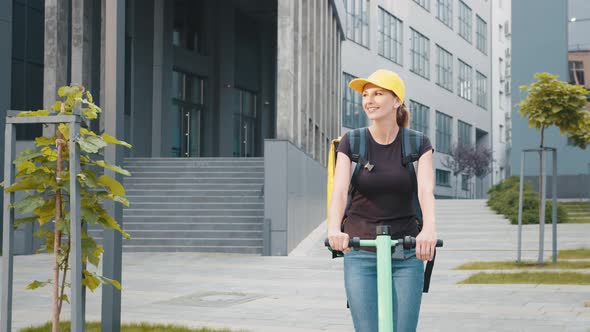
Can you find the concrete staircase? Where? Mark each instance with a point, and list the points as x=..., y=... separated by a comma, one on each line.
x=194, y=205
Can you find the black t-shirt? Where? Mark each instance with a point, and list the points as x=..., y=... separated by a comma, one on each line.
x=383, y=195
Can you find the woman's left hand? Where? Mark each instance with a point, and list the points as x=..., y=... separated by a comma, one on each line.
x=425, y=244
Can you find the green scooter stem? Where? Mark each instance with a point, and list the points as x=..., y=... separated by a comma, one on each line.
x=383, y=243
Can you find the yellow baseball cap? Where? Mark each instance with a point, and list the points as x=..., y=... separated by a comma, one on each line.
x=382, y=78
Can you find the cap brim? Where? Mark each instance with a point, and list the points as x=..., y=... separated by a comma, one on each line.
x=358, y=84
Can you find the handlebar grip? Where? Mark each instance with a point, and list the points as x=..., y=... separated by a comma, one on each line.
x=354, y=243
x=410, y=242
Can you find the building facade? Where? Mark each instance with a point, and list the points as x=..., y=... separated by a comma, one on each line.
x=229, y=79
x=501, y=57
x=447, y=52
x=541, y=33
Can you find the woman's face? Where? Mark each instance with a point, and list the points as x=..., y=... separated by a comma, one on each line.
x=379, y=103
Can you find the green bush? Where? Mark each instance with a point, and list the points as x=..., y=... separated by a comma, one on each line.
x=503, y=198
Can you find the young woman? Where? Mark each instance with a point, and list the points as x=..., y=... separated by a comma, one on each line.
x=383, y=196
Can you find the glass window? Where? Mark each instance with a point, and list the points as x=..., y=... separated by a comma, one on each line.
x=443, y=132
x=353, y=115
x=481, y=88
x=390, y=37
x=424, y=4
x=420, y=52
x=419, y=116
x=357, y=21
x=463, y=133
x=465, y=80
x=444, y=12
x=444, y=68
x=465, y=21
x=187, y=88
x=443, y=178
x=187, y=30
x=482, y=35
x=576, y=72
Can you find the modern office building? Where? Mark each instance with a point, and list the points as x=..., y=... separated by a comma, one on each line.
x=452, y=56
x=251, y=85
x=542, y=33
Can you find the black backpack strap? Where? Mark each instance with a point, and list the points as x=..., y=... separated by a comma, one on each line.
x=411, y=142
x=358, y=153
x=428, y=273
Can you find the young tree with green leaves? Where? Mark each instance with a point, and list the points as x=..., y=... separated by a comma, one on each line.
x=43, y=174
x=551, y=102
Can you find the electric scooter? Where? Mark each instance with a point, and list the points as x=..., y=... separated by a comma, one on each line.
x=384, y=243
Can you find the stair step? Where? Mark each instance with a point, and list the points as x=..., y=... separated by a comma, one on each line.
x=219, y=242
x=187, y=234
x=195, y=173
x=211, y=169
x=199, y=206
x=135, y=199
x=193, y=219
x=191, y=226
x=199, y=186
x=195, y=192
x=133, y=180
x=215, y=249
x=193, y=212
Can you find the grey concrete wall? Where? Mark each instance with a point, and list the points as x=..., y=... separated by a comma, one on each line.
x=294, y=195
x=308, y=42
x=540, y=43
x=568, y=186
x=55, y=72
x=5, y=75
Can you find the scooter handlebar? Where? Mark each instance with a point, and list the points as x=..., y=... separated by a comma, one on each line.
x=409, y=242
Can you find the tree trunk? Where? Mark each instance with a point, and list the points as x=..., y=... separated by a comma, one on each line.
x=57, y=235
x=541, y=219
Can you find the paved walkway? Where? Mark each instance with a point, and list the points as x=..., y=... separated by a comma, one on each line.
x=304, y=292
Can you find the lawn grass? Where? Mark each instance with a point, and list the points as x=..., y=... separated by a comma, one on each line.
x=509, y=265
x=580, y=253
x=578, y=212
x=140, y=327
x=572, y=220
x=547, y=278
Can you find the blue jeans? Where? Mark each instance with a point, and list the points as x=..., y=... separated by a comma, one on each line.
x=360, y=280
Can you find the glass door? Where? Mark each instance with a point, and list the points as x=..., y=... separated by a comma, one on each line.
x=245, y=120
x=187, y=111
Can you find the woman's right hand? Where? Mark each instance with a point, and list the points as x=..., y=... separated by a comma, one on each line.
x=338, y=240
